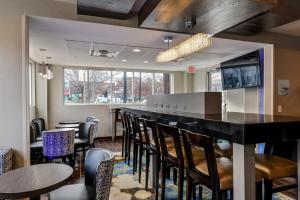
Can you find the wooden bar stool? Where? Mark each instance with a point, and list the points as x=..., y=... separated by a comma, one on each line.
x=274, y=167
x=129, y=136
x=214, y=173
x=173, y=157
x=118, y=119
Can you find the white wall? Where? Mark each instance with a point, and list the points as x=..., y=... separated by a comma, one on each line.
x=41, y=97
x=200, y=81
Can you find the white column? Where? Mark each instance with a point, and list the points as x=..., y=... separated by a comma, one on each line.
x=243, y=172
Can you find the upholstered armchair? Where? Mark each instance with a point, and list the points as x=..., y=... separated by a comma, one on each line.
x=5, y=160
x=59, y=144
x=98, y=176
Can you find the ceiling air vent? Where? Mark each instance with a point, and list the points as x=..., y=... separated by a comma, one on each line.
x=104, y=53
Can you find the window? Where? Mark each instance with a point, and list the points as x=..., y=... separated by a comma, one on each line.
x=31, y=86
x=214, y=81
x=86, y=86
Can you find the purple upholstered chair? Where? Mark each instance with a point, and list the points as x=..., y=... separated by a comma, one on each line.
x=59, y=143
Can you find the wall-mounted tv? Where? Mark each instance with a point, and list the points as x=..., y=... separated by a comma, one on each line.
x=241, y=72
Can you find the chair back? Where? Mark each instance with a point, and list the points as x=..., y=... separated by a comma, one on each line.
x=89, y=118
x=86, y=130
x=128, y=124
x=58, y=143
x=165, y=131
x=98, y=172
x=205, y=143
x=150, y=131
x=96, y=127
x=136, y=127
x=286, y=149
x=40, y=124
x=33, y=131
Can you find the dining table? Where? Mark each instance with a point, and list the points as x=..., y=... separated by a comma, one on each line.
x=33, y=181
x=244, y=130
x=70, y=122
x=61, y=126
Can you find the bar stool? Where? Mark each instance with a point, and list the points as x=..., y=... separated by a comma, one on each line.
x=123, y=134
x=173, y=157
x=118, y=119
x=214, y=173
x=130, y=136
x=274, y=167
x=139, y=144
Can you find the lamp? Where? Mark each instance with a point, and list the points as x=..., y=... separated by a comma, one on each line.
x=191, y=45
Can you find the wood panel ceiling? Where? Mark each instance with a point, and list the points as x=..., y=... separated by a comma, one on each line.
x=212, y=16
x=242, y=17
x=120, y=9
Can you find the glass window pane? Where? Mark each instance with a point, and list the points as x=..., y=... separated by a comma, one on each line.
x=158, y=83
x=215, y=81
x=117, y=87
x=136, y=86
x=146, y=85
x=129, y=87
x=99, y=86
x=75, y=84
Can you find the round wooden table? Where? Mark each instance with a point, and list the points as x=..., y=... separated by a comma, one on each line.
x=60, y=126
x=34, y=180
x=70, y=122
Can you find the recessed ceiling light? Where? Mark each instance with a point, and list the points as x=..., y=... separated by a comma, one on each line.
x=48, y=57
x=43, y=49
x=146, y=61
x=124, y=60
x=136, y=50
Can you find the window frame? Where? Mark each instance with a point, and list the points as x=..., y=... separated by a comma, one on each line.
x=125, y=98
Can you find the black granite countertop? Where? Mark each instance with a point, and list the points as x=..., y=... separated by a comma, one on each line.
x=243, y=128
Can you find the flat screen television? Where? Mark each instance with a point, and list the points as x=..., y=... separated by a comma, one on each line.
x=242, y=72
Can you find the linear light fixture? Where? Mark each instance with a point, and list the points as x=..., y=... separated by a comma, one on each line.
x=191, y=45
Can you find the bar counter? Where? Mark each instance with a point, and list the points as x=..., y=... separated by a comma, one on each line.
x=244, y=130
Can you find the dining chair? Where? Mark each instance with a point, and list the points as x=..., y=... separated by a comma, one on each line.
x=41, y=125
x=59, y=144
x=275, y=167
x=216, y=173
x=85, y=137
x=173, y=157
x=98, y=173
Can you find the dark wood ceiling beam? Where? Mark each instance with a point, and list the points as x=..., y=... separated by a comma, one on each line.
x=147, y=9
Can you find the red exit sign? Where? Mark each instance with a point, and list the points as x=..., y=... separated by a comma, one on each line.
x=191, y=69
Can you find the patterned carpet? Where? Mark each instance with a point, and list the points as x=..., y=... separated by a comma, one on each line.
x=123, y=178
x=129, y=186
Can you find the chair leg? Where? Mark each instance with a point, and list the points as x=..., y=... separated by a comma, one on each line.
x=163, y=180
x=180, y=183
x=140, y=161
x=157, y=174
x=125, y=147
x=134, y=159
x=200, y=192
x=268, y=189
x=174, y=176
x=147, y=167
x=123, y=144
x=128, y=149
x=258, y=191
x=190, y=188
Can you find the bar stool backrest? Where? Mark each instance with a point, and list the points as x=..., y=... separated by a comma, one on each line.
x=150, y=128
x=41, y=125
x=128, y=123
x=33, y=131
x=190, y=140
x=136, y=127
x=165, y=131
